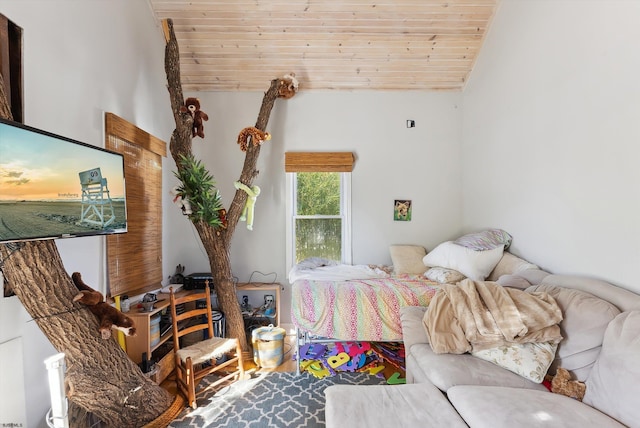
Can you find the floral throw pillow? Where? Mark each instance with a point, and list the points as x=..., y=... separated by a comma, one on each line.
x=529, y=360
x=444, y=275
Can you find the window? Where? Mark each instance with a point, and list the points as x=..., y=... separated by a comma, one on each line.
x=318, y=208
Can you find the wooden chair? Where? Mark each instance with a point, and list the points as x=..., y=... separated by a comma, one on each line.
x=197, y=360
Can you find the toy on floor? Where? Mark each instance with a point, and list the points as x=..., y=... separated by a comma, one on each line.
x=321, y=360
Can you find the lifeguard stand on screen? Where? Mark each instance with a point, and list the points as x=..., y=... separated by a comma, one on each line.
x=97, y=208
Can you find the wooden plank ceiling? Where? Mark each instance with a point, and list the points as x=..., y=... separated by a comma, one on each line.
x=240, y=45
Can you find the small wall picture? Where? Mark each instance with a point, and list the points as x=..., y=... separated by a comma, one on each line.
x=402, y=210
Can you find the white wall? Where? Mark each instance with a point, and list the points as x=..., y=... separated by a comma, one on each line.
x=551, y=135
x=81, y=58
x=549, y=153
x=84, y=58
x=392, y=162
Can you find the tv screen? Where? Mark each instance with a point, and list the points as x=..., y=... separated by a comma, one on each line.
x=56, y=187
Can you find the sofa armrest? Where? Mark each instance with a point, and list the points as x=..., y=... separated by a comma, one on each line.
x=412, y=328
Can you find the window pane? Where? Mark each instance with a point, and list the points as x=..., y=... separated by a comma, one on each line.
x=319, y=237
x=318, y=193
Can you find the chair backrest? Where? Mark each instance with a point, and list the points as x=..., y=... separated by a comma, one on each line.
x=193, y=317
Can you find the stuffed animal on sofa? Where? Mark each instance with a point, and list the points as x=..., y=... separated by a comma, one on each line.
x=247, y=211
x=257, y=137
x=561, y=383
x=192, y=106
x=108, y=316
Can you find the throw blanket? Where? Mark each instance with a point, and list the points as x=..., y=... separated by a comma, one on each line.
x=477, y=315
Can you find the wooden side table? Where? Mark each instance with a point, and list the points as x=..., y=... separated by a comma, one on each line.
x=268, y=287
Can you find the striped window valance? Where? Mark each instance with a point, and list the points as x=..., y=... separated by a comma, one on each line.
x=318, y=161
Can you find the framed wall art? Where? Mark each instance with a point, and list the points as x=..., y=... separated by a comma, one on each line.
x=402, y=210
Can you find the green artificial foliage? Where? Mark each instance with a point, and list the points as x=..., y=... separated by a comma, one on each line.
x=198, y=187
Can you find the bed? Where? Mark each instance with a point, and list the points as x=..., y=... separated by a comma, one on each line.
x=335, y=302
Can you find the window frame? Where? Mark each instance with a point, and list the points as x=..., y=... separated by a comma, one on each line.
x=345, y=216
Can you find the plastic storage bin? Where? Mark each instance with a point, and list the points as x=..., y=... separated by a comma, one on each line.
x=268, y=346
x=154, y=330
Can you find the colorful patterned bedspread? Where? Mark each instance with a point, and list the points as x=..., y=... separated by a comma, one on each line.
x=366, y=309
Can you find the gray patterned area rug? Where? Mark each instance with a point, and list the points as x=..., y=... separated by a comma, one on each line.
x=268, y=400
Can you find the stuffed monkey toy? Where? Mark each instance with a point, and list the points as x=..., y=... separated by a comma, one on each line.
x=247, y=211
x=108, y=316
x=257, y=136
x=288, y=86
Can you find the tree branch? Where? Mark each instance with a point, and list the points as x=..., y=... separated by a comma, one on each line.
x=216, y=240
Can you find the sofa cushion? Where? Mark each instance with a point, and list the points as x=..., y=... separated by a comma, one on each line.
x=534, y=276
x=407, y=259
x=498, y=407
x=356, y=406
x=509, y=264
x=514, y=281
x=623, y=299
x=585, y=319
x=448, y=370
x=472, y=264
x=612, y=386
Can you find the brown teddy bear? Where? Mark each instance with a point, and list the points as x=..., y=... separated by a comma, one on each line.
x=108, y=316
x=192, y=106
x=561, y=383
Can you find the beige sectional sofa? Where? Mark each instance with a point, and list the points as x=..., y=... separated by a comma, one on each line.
x=600, y=346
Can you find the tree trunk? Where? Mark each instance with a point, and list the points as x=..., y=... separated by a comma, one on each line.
x=100, y=378
x=216, y=241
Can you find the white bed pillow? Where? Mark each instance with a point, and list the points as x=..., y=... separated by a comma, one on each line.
x=407, y=259
x=476, y=265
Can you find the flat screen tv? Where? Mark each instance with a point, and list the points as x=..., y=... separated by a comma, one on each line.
x=55, y=187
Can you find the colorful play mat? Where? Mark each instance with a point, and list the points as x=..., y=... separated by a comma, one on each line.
x=383, y=359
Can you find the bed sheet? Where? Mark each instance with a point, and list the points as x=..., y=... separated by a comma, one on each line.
x=358, y=309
